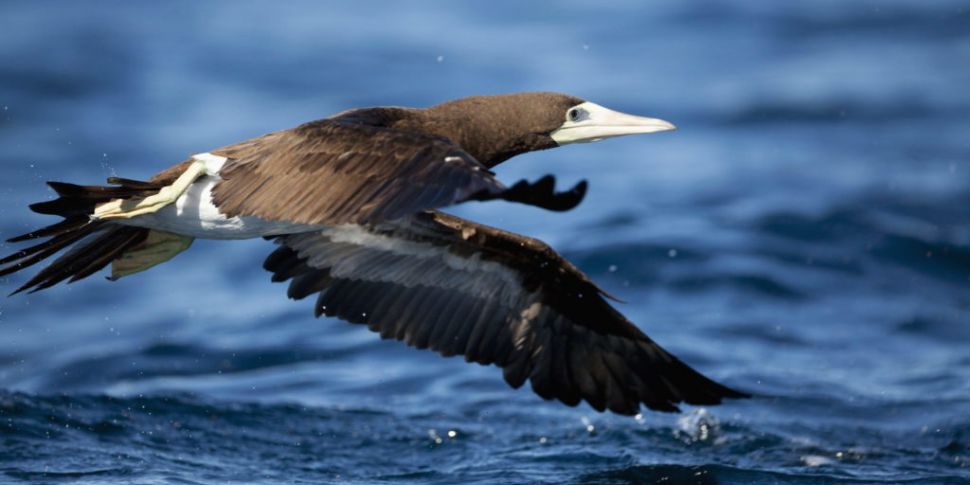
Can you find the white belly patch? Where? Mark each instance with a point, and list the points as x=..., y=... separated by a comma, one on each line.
x=193, y=214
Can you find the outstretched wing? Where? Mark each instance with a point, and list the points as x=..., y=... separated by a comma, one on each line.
x=336, y=172
x=333, y=172
x=437, y=281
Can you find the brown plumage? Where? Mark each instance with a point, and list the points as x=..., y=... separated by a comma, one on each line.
x=371, y=174
x=358, y=192
x=385, y=163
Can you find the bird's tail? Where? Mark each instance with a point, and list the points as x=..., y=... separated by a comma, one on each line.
x=93, y=243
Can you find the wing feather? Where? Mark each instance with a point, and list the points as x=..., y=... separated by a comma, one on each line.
x=335, y=172
x=440, y=282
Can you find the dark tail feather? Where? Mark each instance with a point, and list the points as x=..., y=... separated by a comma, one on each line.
x=75, y=204
x=65, y=226
x=127, y=189
x=150, y=187
x=80, y=200
x=87, y=258
x=33, y=254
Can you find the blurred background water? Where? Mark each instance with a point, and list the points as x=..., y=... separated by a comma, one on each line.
x=804, y=236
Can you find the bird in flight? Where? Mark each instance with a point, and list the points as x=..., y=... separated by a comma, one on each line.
x=352, y=202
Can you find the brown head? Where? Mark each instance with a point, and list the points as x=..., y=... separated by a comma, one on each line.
x=496, y=128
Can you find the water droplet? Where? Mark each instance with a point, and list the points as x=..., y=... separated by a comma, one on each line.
x=672, y=253
x=441, y=59
x=612, y=268
x=452, y=433
x=543, y=440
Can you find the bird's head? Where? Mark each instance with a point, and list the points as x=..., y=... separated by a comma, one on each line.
x=495, y=128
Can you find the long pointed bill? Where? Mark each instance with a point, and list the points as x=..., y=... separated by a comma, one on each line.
x=588, y=122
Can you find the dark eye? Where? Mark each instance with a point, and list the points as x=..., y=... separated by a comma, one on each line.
x=573, y=114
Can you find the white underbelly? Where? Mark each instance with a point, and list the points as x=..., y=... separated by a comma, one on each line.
x=194, y=215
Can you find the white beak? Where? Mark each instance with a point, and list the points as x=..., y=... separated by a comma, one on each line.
x=588, y=122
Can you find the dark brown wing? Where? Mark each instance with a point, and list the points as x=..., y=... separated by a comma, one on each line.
x=335, y=172
x=460, y=288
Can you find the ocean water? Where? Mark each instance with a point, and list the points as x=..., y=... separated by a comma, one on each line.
x=804, y=236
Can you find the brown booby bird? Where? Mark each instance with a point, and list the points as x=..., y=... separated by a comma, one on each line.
x=351, y=200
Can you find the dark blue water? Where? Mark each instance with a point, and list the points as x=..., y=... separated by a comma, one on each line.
x=804, y=236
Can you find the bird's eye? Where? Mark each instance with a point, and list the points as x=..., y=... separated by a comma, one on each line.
x=573, y=114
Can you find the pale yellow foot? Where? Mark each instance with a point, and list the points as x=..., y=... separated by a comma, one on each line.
x=128, y=208
x=159, y=247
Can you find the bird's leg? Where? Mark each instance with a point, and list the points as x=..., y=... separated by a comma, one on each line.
x=128, y=208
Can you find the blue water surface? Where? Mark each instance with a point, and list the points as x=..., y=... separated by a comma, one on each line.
x=804, y=236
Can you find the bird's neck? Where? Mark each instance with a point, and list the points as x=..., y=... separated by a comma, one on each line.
x=488, y=134
x=490, y=138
